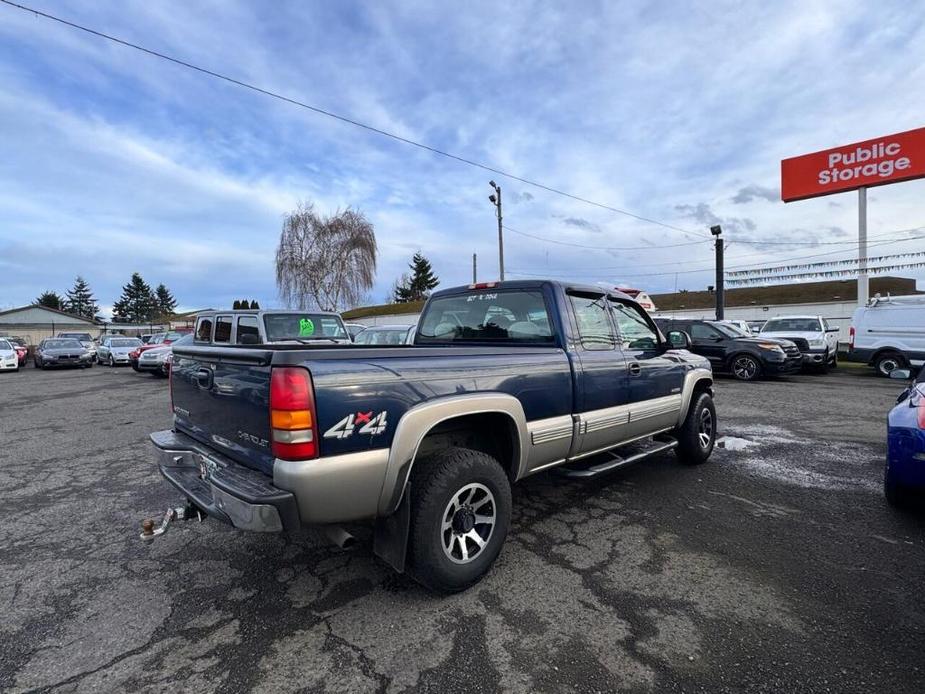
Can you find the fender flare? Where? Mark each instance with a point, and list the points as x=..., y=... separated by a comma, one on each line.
x=691, y=379
x=417, y=422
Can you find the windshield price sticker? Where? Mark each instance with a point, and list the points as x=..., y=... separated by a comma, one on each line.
x=306, y=327
x=481, y=297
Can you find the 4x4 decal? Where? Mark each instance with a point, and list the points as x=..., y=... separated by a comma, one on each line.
x=372, y=424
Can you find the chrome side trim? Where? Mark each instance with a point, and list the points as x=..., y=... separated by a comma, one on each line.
x=552, y=441
x=691, y=378
x=606, y=420
x=655, y=407
x=419, y=420
x=552, y=429
x=335, y=488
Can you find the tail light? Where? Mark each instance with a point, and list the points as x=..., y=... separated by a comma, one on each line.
x=292, y=414
x=851, y=337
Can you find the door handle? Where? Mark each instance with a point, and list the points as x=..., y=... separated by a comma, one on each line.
x=635, y=368
x=203, y=375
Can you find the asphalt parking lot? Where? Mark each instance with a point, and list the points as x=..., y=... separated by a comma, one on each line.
x=776, y=567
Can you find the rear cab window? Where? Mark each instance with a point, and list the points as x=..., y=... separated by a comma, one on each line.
x=222, y=329
x=248, y=332
x=303, y=326
x=512, y=316
x=204, y=329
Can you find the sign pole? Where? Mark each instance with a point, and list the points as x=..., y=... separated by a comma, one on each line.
x=863, y=290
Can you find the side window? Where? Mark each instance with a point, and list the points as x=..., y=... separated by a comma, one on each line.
x=594, y=325
x=699, y=331
x=247, y=326
x=635, y=331
x=825, y=324
x=223, y=329
x=204, y=330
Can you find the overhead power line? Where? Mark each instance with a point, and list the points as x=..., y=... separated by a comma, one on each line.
x=603, y=248
x=350, y=121
x=619, y=270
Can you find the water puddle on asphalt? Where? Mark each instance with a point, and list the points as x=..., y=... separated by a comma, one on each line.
x=775, y=453
x=734, y=443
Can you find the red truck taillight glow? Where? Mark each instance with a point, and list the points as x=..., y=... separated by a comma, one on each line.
x=851, y=337
x=293, y=425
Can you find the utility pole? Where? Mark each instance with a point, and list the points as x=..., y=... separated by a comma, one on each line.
x=495, y=199
x=718, y=244
x=474, y=273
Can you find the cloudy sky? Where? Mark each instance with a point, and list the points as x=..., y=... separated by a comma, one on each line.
x=112, y=161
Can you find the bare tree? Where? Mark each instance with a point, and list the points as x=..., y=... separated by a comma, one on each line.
x=325, y=262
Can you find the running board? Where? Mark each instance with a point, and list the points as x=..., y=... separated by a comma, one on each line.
x=617, y=461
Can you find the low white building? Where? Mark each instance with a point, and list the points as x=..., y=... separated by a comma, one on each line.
x=35, y=323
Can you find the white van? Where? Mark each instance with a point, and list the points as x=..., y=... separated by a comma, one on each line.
x=889, y=333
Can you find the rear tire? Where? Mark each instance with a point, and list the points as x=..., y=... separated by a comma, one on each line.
x=887, y=362
x=697, y=436
x=460, y=515
x=745, y=367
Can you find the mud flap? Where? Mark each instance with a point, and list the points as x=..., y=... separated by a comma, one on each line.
x=390, y=536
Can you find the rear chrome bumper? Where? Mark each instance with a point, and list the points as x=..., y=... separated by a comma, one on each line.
x=222, y=488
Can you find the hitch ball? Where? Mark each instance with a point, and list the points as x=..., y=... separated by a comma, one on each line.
x=147, y=527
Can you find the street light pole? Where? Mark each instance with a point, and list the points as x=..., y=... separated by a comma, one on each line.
x=495, y=199
x=720, y=290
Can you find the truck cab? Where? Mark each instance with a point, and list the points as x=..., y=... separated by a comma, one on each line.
x=263, y=327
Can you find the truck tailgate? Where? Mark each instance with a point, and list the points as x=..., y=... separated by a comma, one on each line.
x=221, y=397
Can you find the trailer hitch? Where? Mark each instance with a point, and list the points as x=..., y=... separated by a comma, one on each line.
x=174, y=513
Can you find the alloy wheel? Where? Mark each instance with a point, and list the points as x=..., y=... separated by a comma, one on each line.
x=745, y=368
x=468, y=522
x=705, y=429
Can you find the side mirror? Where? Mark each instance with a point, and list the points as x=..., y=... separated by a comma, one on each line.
x=901, y=374
x=678, y=339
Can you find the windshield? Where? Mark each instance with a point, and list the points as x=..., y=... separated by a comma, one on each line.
x=487, y=316
x=303, y=326
x=63, y=344
x=730, y=330
x=125, y=342
x=5, y=346
x=83, y=337
x=390, y=336
x=795, y=325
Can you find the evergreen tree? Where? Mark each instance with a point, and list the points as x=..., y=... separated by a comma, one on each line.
x=236, y=305
x=51, y=299
x=80, y=300
x=166, y=304
x=418, y=285
x=401, y=290
x=423, y=278
x=254, y=304
x=137, y=303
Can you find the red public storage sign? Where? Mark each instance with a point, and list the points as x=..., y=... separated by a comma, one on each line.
x=889, y=159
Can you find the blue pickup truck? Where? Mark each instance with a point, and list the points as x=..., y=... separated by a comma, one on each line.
x=425, y=440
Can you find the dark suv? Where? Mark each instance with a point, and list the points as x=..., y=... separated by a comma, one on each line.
x=731, y=350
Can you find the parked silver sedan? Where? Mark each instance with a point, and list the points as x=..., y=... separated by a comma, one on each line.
x=386, y=335
x=114, y=350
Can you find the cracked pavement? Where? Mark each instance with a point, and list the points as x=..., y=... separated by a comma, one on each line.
x=777, y=566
